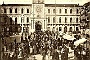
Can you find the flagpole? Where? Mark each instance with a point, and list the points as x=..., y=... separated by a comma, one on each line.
x=55, y=13
x=33, y=16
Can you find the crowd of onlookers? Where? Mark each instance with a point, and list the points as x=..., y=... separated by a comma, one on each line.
x=45, y=43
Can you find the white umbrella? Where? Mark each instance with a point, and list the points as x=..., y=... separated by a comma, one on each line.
x=80, y=41
x=71, y=38
x=38, y=57
x=66, y=36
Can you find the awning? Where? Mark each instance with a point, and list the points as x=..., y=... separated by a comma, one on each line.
x=68, y=37
x=80, y=41
x=72, y=38
x=12, y=38
x=17, y=37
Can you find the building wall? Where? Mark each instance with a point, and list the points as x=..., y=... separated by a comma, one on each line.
x=74, y=15
x=85, y=18
x=17, y=15
x=33, y=16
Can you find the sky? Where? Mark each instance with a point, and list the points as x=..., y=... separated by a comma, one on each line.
x=80, y=2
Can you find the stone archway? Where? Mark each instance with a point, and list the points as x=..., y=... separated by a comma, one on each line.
x=38, y=26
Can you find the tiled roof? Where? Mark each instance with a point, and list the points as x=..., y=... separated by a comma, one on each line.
x=16, y=4
x=46, y=5
x=62, y=5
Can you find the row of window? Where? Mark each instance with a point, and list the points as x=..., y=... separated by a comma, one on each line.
x=54, y=20
x=22, y=10
x=12, y=22
x=22, y=20
x=10, y=29
x=54, y=11
x=25, y=29
x=15, y=29
x=65, y=28
x=10, y=10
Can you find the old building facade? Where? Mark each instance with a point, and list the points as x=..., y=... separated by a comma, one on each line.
x=85, y=18
x=41, y=16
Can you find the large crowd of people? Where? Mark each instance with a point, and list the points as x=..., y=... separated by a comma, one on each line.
x=48, y=43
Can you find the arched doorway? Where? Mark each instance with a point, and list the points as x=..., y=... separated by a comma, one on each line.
x=65, y=29
x=38, y=26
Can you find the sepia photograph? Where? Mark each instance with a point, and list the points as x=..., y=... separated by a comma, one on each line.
x=44, y=29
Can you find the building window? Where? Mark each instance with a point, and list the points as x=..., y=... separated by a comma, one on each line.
x=65, y=10
x=5, y=19
x=10, y=20
x=2, y=19
x=65, y=20
x=5, y=10
x=77, y=29
x=27, y=19
x=48, y=10
x=31, y=24
x=59, y=10
x=22, y=10
x=24, y=29
x=27, y=29
x=70, y=10
x=21, y=20
x=76, y=20
x=16, y=20
x=10, y=29
x=70, y=20
x=16, y=29
x=65, y=29
x=5, y=29
x=53, y=29
x=48, y=28
x=87, y=18
x=60, y=29
x=77, y=11
x=10, y=10
x=54, y=11
x=16, y=10
x=70, y=29
x=27, y=10
x=53, y=19
x=48, y=19
x=60, y=20
x=44, y=24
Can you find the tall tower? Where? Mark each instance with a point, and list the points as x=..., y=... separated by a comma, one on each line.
x=38, y=17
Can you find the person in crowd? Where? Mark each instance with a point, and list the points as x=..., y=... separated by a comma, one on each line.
x=56, y=55
x=44, y=55
x=87, y=54
x=45, y=43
